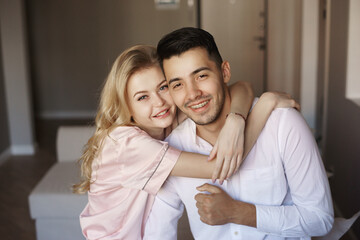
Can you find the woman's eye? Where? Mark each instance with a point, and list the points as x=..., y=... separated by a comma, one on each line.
x=142, y=98
x=164, y=87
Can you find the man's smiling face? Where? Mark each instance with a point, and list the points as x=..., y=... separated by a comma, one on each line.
x=196, y=85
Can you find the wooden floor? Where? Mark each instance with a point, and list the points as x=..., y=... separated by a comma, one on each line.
x=20, y=174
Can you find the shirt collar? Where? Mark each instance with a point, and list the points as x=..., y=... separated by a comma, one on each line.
x=198, y=141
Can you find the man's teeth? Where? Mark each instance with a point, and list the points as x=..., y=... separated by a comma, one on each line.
x=162, y=113
x=200, y=105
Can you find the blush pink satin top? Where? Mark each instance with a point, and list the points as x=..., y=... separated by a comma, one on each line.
x=126, y=176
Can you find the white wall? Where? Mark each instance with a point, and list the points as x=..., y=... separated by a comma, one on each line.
x=309, y=60
x=292, y=57
x=353, y=57
x=342, y=152
x=283, y=46
x=16, y=77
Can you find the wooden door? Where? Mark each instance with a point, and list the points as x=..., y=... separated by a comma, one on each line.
x=238, y=27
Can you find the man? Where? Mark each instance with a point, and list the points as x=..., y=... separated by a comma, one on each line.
x=281, y=190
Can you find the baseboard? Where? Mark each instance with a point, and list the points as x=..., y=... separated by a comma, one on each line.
x=4, y=156
x=67, y=115
x=26, y=149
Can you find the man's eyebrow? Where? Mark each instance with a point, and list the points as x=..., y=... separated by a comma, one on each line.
x=173, y=80
x=199, y=70
x=193, y=73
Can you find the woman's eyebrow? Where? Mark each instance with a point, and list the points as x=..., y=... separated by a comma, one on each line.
x=161, y=83
x=139, y=92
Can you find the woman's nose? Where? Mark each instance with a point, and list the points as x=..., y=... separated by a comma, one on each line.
x=158, y=100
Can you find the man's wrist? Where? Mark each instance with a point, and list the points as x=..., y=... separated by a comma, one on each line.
x=244, y=214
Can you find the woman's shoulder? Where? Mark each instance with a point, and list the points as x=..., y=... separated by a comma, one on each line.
x=126, y=132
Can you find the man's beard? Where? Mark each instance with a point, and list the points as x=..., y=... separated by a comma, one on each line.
x=213, y=117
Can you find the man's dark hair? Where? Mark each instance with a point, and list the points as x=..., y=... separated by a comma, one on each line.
x=184, y=39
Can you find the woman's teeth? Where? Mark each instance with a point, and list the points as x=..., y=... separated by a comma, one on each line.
x=162, y=113
x=199, y=105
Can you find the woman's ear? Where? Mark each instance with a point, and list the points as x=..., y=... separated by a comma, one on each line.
x=225, y=69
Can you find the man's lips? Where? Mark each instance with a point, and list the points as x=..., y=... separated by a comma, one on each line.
x=199, y=106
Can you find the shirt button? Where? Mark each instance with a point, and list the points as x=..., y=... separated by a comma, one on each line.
x=236, y=232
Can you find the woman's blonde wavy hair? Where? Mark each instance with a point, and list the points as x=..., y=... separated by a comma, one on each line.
x=113, y=110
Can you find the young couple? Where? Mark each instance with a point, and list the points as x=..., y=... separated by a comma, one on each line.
x=126, y=161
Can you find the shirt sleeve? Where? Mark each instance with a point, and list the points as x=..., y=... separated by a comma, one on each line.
x=165, y=214
x=131, y=169
x=312, y=212
x=133, y=159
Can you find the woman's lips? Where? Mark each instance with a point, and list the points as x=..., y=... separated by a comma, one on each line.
x=162, y=114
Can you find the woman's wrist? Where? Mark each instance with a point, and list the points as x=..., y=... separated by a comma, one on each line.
x=269, y=99
x=236, y=114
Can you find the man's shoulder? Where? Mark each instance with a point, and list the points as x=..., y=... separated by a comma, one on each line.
x=284, y=122
x=186, y=128
x=281, y=116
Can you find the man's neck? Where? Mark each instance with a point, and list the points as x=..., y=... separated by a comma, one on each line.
x=210, y=132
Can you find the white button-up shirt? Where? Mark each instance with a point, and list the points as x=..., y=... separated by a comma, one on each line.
x=283, y=176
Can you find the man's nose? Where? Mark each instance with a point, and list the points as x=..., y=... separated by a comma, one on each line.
x=193, y=91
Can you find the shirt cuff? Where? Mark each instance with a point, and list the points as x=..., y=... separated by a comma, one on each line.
x=266, y=220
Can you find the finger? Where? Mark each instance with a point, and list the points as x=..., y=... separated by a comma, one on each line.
x=233, y=163
x=208, y=188
x=199, y=206
x=225, y=169
x=200, y=197
x=203, y=219
x=213, y=152
x=238, y=163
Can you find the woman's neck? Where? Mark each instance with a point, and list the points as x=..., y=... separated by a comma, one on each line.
x=158, y=134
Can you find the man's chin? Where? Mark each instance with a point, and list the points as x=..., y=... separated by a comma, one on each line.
x=205, y=120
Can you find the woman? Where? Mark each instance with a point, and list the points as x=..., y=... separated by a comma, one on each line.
x=126, y=162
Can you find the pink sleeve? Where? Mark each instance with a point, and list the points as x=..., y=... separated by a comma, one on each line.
x=129, y=172
x=136, y=160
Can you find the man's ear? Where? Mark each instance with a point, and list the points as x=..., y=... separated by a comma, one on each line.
x=225, y=69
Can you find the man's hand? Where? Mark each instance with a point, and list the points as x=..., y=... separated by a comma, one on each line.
x=228, y=148
x=217, y=207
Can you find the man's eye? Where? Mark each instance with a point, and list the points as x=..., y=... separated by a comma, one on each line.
x=142, y=98
x=202, y=76
x=176, y=85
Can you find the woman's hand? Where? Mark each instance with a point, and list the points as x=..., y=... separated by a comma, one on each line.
x=281, y=100
x=229, y=148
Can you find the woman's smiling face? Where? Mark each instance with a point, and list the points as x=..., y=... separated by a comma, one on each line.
x=150, y=103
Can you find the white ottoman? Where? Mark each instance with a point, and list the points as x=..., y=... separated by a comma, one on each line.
x=54, y=207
